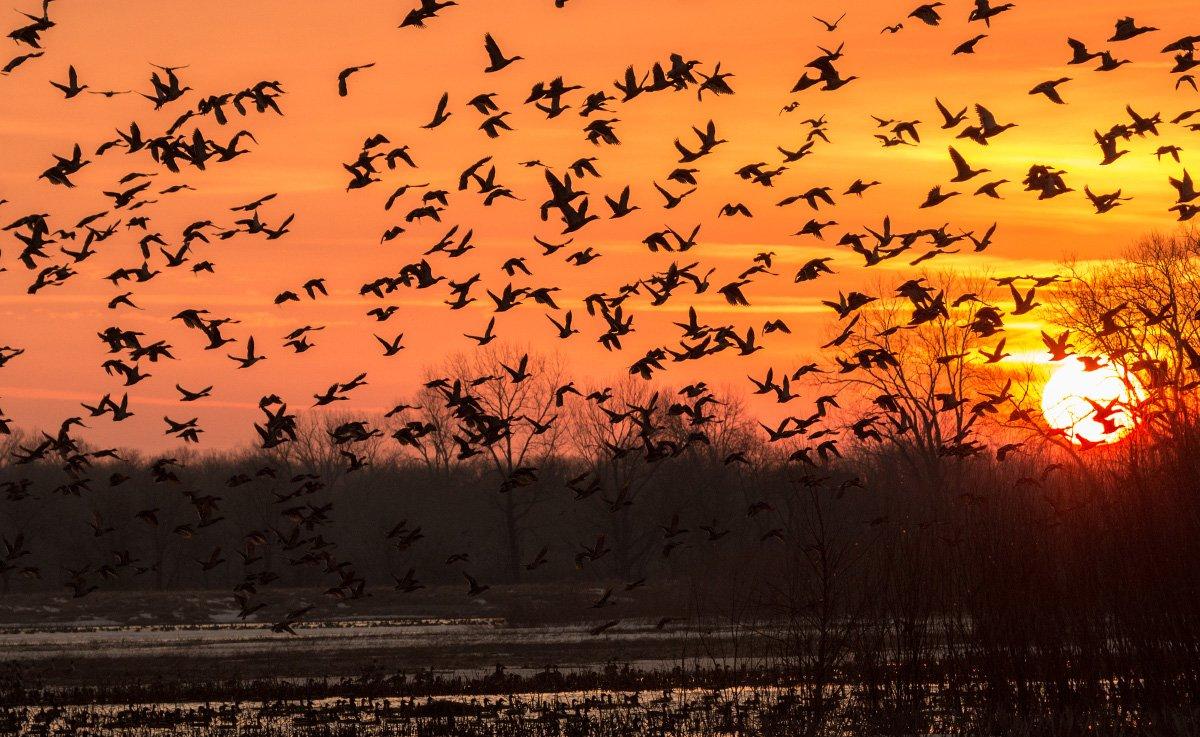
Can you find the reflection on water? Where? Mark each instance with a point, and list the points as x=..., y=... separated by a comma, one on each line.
x=683, y=712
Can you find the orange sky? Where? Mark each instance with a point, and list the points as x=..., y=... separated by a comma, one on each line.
x=303, y=44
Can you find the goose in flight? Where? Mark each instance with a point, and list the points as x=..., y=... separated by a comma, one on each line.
x=191, y=396
x=474, y=587
x=963, y=171
x=1059, y=346
x=950, y=120
x=391, y=347
x=1050, y=90
x=995, y=355
x=1023, y=304
x=968, y=46
x=990, y=189
x=928, y=14
x=426, y=10
x=1105, y=202
x=1126, y=28
x=1109, y=63
x=17, y=61
x=1080, y=53
x=72, y=87
x=168, y=90
x=496, y=58
x=985, y=11
x=830, y=26
x=988, y=127
x=440, y=115
x=250, y=358
x=1184, y=187
x=937, y=197
x=344, y=76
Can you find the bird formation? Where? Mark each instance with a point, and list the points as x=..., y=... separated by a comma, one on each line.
x=571, y=196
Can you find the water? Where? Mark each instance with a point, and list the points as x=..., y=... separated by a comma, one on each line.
x=683, y=712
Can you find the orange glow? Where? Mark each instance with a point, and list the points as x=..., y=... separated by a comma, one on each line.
x=336, y=235
x=1075, y=400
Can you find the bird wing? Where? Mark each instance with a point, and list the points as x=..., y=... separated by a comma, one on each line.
x=959, y=162
x=986, y=119
x=493, y=49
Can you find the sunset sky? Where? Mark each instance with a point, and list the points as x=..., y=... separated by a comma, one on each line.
x=303, y=45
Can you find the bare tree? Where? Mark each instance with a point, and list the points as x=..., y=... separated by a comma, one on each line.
x=612, y=447
x=916, y=360
x=317, y=448
x=638, y=436
x=427, y=428
x=1142, y=313
x=515, y=392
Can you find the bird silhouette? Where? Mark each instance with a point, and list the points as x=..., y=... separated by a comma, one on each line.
x=496, y=58
x=344, y=77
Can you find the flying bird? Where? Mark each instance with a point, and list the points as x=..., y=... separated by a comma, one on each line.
x=344, y=77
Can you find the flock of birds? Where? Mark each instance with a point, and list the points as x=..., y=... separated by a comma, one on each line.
x=54, y=253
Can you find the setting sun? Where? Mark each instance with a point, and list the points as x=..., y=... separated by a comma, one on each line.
x=1089, y=405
